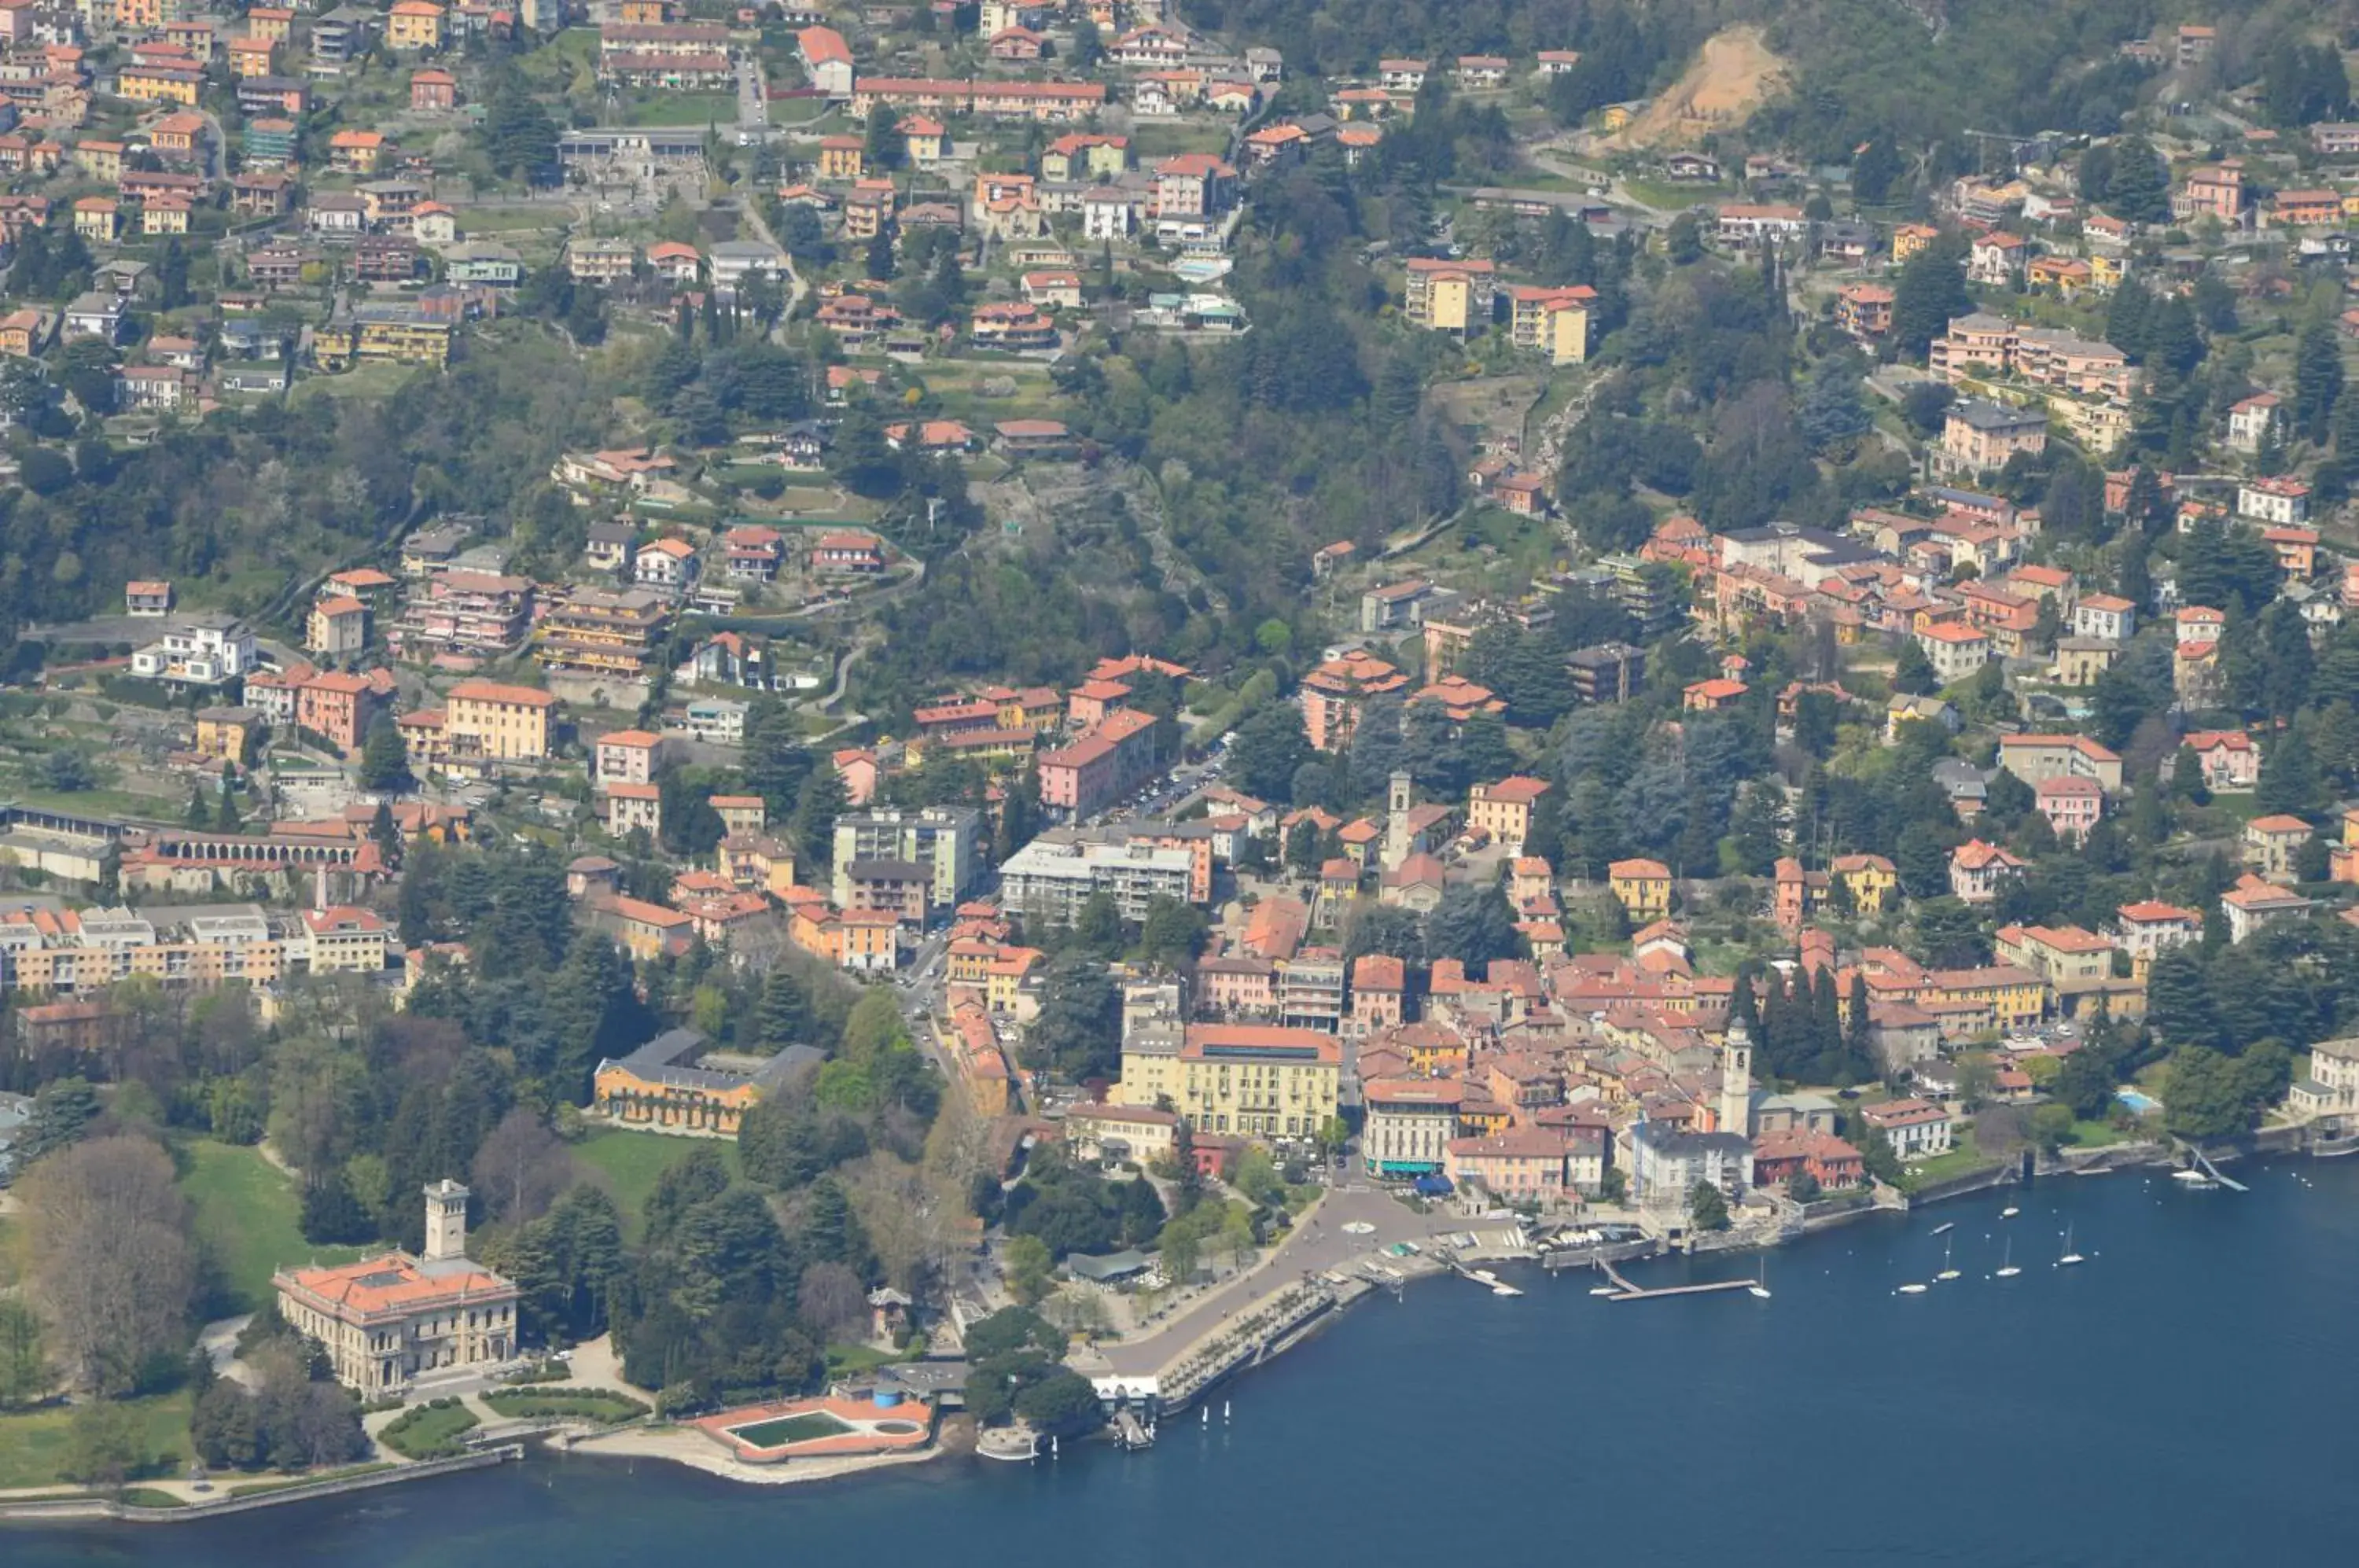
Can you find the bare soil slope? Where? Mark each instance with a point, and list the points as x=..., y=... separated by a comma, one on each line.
x=1733, y=74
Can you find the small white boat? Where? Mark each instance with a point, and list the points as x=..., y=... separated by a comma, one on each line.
x=1947, y=1272
x=1505, y=1291
x=1911, y=1290
x=2006, y=1268
x=2194, y=1180
x=1945, y=1228
x=2009, y=1212
x=1484, y=1275
x=1603, y=1290
x=1760, y=1286
x=2069, y=1257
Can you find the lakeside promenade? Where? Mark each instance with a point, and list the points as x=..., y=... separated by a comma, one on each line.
x=1318, y=1244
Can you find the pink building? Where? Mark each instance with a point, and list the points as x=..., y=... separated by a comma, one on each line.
x=1379, y=994
x=2072, y=805
x=1085, y=778
x=1238, y=987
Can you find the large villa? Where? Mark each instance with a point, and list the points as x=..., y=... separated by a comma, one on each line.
x=386, y=1319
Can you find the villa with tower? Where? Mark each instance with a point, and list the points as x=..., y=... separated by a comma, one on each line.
x=385, y=1320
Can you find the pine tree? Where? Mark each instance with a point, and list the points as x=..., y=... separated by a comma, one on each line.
x=2126, y=319
x=2346, y=425
x=2317, y=381
x=786, y=1013
x=1931, y=290
x=1858, y=1038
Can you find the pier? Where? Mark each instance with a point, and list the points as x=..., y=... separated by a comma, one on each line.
x=1623, y=1290
x=2213, y=1171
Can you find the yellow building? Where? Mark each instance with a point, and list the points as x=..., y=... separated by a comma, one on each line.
x=223, y=733
x=1553, y=321
x=2017, y=997
x=414, y=24
x=1002, y=977
x=1451, y=297
x=1035, y=707
x=1254, y=1080
x=1870, y=879
x=98, y=218
x=1504, y=809
x=386, y=332
x=1643, y=885
x=1910, y=238
x=661, y=1086
x=510, y=723
x=159, y=84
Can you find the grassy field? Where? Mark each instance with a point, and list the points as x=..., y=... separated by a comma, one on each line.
x=377, y=379
x=32, y=1446
x=632, y=1162
x=246, y=1212
x=511, y=220
x=1962, y=1158
x=718, y=109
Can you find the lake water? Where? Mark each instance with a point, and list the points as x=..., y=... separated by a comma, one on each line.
x=2180, y=1398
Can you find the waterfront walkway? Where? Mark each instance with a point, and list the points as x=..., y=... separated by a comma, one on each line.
x=1318, y=1244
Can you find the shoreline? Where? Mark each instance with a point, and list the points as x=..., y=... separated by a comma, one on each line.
x=685, y=1448
x=691, y=1450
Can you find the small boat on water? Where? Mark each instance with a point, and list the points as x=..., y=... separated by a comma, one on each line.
x=2194, y=1180
x=2069, y=1257
x=1603, y=1290
x=1945, y=1228
x=1505, y=1291
x=1910, y=1290
x=2009, y=1212
x=2006, y=1268
x=1947, y=1273
x=1760, y=1286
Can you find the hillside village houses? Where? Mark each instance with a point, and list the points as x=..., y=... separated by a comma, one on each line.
x=1607, y=1060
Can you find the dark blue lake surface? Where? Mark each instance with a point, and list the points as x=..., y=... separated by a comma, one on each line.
x=2181, y=1397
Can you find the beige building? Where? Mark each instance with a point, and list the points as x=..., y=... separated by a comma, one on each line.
x=345, y=941
x=384, y=1319
x=1257, y=1080
x=507, y=723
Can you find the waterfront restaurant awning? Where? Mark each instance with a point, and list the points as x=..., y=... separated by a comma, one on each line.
x=1432, y=1186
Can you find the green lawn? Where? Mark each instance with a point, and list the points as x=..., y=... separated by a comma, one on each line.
x=246, y=1212
x=1962, y=1158
x=510, y=220
x=587, y=1404
x=858, y=1360
x=431, y=1431
x=376, y=379
x=717, y=109
x=32, y=1446
x=633, y=1162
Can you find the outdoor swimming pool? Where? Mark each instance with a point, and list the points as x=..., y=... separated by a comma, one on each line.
x=2138, y=1103
x=785, y=1430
